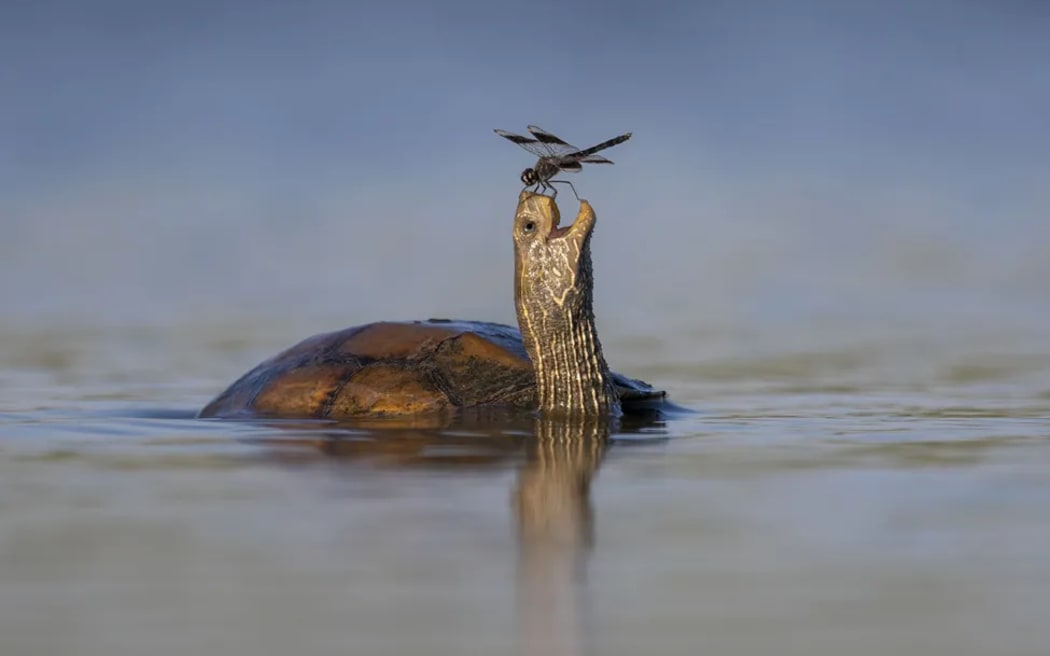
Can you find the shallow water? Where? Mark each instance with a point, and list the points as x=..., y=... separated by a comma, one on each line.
x=828, y=497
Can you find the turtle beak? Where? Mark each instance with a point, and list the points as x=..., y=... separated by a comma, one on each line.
x=583, y=225
x=580, y=229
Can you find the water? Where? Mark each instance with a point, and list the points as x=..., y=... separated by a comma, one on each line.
x=829, y=497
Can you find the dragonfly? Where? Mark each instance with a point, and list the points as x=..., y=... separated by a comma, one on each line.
x=556, y=155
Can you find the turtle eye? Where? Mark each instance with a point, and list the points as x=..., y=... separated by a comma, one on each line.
x=528, y=228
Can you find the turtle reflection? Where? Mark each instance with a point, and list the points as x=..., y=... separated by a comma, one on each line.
x=555, y=523
x=550, y=500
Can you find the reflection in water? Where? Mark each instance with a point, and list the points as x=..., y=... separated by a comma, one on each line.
x=850, y=524
x=550, y=498
x=555, y=531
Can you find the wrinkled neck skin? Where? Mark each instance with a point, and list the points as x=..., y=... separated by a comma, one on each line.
x=553, y=295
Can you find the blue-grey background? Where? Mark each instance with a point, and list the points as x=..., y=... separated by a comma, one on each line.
x=871, y=160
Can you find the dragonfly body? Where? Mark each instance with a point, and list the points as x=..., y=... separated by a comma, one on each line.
x=556, y=155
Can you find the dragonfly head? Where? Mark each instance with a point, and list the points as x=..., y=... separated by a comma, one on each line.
x=529, y=177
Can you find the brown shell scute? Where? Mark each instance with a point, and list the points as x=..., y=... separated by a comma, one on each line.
x=386, y=369
x=477, y=371
x=386, y=389
x=301, y=391
x=389, y=340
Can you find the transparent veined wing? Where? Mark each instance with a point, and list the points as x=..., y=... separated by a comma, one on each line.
x=532, y=145
x=557, y=145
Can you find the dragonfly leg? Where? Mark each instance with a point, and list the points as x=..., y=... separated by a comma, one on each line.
x=570, y=187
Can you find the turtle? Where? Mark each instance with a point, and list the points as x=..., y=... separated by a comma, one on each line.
x=552, y=363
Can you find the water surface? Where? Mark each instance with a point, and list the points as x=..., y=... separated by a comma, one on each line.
x=826, y=498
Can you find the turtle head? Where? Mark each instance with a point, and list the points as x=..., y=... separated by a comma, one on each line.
x=552, y=263
x=529, y=177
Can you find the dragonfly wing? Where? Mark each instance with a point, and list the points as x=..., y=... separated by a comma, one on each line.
x=596, y=159
x=570, y=165
x=557, y=145
x=532, y=145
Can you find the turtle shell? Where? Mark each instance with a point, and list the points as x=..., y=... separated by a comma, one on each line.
x=397, y=368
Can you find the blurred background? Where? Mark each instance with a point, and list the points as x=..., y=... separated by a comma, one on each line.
x=880, y=165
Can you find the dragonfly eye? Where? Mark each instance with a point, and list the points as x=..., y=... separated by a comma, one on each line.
x=528, y=176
